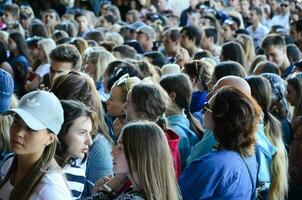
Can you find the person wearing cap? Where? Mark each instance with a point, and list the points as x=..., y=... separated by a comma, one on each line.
x=131, y=34
x=146, y=36
x=32, y=172
x=6, y=93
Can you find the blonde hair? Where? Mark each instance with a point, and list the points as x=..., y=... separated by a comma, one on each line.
x=5, y=123
x=261, y=91
x=116, y=38
x=80, y=44
x=142, y=140
x=47, y=44
x=248, y=47
x=100, y=58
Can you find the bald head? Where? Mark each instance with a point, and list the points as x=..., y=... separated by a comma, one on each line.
x=231, y=81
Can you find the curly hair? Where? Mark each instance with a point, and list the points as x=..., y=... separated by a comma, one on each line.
x=237, y=133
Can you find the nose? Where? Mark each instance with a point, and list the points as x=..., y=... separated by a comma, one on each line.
x=88, y=139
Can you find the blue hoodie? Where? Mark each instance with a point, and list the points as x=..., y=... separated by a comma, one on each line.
x=181, y=125
x=265, y=147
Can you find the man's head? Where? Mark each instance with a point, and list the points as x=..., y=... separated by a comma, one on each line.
x=171, y=41
x=255, y=15
x=209, y=38
x=124, y=51
x=190, y=37
x=63, y=59
x=82, y=21
x=274, y=48
x=50, y=17
x=244, y=6
x=296, y=30
x=285, y=7
x=11, y=13
x=145, y=36
x=231, y=81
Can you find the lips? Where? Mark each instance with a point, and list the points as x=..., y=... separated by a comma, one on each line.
x=13, y=141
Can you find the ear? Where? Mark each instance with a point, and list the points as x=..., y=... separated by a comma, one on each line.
x=172, y=95
x=51, y=139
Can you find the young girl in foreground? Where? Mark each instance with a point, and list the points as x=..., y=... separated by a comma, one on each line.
x=32, y=172
x=141, y=153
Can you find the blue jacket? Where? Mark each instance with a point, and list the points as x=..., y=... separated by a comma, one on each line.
x=99, y=162
x=219, y=175
x=181, y=125
x=265, y=149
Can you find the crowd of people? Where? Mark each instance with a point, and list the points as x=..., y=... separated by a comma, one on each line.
x=151, y=99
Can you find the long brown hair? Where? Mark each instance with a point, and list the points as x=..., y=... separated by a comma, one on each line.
x=72, y=111
x=150, y=102
x=25, y=187
x=235, y=116
x=142, y=140
x=80, y=86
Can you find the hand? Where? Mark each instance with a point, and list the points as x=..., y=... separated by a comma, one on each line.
x=99, y=184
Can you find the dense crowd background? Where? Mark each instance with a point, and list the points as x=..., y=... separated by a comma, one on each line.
x=151, y=99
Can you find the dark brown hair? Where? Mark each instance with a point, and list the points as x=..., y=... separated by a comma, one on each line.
x=235, y=117
x=180, y=84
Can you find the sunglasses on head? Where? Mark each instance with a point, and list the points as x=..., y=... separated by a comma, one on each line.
x=206, y=108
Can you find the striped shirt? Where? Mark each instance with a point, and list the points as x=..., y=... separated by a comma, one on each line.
x=76, y=179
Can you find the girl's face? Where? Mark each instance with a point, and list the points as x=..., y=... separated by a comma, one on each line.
x=12, y=46
x=291, y=94
x=115, y=103
x=27, y=142
x=129, y=108
x=78, y=137
x=120, y=164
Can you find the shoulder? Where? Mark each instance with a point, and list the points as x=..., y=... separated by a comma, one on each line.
x=134, y=195
x=5, y=165
x=52, y=186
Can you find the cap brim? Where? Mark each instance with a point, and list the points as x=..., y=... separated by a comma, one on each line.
x=31, y=121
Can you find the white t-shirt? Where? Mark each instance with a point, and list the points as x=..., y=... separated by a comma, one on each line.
x=51, y=186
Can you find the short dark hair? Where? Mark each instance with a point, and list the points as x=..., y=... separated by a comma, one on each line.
x=173, y=34
x=13, y=9
x=228, y=68
x=257, y=10
x=126, y=51
x=273, y=40
x=192, y=32
x=211, y=32
x=158, y=58
x=80, y=13
x=67, y=53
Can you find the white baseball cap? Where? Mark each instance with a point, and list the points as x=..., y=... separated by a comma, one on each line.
x=40, y=110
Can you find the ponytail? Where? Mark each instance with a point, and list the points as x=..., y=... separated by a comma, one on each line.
x=279, y=182
x=194, y=123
